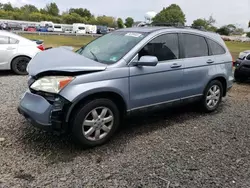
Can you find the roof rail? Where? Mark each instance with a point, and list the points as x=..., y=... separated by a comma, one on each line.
x=167, y=24
x=178, y=25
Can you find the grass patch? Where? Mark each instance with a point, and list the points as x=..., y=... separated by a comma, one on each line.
x=237, y=47
x=78, y=41
x=60, y=40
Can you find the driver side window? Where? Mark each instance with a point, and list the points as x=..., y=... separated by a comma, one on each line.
x=164, y=47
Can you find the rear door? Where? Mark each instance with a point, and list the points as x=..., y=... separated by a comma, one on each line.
x=163, y=83
x=198, y=65
x=8, y=47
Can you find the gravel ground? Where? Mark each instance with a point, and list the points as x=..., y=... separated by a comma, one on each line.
x=175, y=148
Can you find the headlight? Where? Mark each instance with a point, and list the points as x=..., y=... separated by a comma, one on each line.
x=51, y=84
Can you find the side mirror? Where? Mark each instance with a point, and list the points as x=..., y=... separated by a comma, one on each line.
x=147, y=61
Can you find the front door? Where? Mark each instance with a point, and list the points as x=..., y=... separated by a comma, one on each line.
x=160, y=84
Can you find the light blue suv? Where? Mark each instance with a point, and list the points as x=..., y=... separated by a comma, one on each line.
x=88, y=92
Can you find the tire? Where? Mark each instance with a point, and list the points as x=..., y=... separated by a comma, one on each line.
x=216, y=98
x=19, y=65
x=83, y=134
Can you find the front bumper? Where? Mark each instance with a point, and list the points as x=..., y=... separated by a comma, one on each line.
x=44, y=112
x=242, y=69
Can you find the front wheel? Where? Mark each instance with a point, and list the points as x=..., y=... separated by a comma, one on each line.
x=19, y=65
x=95, y=122
x=212, y=96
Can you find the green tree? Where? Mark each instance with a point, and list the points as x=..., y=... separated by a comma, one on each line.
x=206, y=24
x=36, y=16
x=129, y=22
x=212, y=28
x=92, y=20
x=106, y=20
x=223, y=31
x=248, y=34
x=52, y=9
x=230, y=29
x=29, y=8
x=7, y=7
x=120, y=23
x=200, y=23
x=82, y=12
x=72, y=18
x=172, y=14
x=211, y=20
x=43, y=11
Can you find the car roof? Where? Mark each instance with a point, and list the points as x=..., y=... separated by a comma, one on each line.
x=190, y=30
x=170, y=29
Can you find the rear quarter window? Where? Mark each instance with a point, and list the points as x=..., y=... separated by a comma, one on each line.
x=215, y=48
x=13, y=41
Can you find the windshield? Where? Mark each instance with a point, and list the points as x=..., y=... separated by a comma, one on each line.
x=81, y=28
x=111, y=47
x=57, y=26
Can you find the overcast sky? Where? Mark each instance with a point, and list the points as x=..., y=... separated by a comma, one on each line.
x=224, y=11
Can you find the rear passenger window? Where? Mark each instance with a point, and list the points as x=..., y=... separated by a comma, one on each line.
x=4, y=40
x=164, y=47
x=216, y=49
x=194, y=46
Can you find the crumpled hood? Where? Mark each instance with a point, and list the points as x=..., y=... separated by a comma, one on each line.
x=60, y=59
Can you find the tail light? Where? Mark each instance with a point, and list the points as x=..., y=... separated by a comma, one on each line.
x=41, y=47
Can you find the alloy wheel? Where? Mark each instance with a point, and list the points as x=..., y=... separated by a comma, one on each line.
x=213, y=96
x=98, y=123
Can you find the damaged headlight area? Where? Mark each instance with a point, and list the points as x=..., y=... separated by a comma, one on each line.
x=51, y=84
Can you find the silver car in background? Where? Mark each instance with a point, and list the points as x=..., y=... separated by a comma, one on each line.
x=16, y=52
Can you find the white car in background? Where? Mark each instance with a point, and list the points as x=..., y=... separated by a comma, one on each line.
x=16, y=52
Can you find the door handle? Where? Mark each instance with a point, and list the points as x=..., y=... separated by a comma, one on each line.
x=210, y=61
x=175, y=65
x=10, y=48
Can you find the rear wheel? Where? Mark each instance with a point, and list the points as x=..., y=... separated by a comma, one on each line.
x=212, y=96
x=95, y=122
x=20, y=64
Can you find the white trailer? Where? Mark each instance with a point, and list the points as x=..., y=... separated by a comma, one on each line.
x=57, y=28
x=91, y=29
x=79, y=28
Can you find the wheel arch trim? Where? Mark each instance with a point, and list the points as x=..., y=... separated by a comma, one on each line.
x=83, y=96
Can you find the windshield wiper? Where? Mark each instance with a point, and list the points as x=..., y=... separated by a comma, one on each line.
x=96, y=59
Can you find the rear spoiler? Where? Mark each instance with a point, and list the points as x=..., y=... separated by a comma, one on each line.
x=48, y=48
x=38, y=42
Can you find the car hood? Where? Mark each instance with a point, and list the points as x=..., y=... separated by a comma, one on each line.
x=62, y=60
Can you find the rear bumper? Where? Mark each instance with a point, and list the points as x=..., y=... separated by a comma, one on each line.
x=43, y=113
